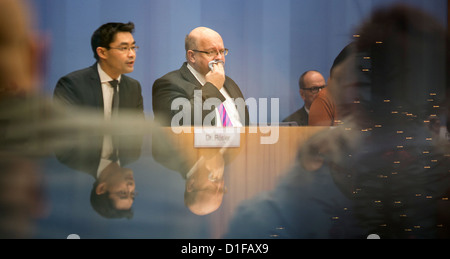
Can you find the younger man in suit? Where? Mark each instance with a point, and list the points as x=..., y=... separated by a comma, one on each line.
x=115, y=52
x=103, y=87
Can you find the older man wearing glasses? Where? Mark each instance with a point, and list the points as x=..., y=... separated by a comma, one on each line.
x=200, y=80
x=311, y=83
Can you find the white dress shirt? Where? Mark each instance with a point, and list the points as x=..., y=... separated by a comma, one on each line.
x=108, y=93
x=229, y=104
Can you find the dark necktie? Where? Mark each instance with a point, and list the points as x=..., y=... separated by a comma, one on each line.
x=114, y=111
x=115, y=101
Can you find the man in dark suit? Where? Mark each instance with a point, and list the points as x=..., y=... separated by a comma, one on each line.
x=311, y=83
x=103, y=87
x=180, y=88
x=115, y=51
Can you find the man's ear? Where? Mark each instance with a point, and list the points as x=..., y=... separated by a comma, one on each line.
x=190, y=56
x=190, y=184
x=302, y=94
x=101, y=188
x=102, y=52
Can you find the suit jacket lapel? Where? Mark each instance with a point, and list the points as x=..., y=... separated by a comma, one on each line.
x=122, y=91
x=96, y=87
x=231, y=89
x=187, y=75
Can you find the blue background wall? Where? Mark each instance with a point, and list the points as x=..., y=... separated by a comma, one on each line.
x=271, y=42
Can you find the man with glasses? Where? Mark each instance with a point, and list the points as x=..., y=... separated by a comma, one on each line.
x=196, y=75
x=104, y=88
x=311, y=83
x=115, y=52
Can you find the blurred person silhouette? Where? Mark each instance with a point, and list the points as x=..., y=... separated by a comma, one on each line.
x=311, y=83
x=203, y=45
x=21, y=184
x=382, y=172
x=323, y=109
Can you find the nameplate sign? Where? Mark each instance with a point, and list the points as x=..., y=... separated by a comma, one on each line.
x=215, y=137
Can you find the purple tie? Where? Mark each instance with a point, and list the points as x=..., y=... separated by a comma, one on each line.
x=224, y=116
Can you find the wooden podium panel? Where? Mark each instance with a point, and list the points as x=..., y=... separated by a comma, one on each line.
x=251, y=168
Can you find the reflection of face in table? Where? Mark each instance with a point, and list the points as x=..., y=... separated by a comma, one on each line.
x=106, y=157
x=117, y=183
x=205, y=187
x=248, y=169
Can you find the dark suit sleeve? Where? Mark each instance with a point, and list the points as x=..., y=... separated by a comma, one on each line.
x=140, y=99
x=80, y=88
x=65, y=92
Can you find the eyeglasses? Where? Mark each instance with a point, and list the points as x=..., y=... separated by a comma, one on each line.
x=126, y=49
x=213, y=53
x=315, y=89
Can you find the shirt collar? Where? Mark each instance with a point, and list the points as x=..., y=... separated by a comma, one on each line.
x=104, y=78
x=201, y=79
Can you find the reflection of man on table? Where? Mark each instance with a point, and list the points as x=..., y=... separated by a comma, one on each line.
x=113, y=191
x=205, y=185
x=201, y=168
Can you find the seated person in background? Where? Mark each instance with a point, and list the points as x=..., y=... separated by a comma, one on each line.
x=311, y=83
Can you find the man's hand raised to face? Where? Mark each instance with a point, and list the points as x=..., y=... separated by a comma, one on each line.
x=216, y=76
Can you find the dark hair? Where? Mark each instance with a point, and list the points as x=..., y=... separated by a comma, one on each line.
x=103, y=205
x=104, y=35
x=345, y=53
